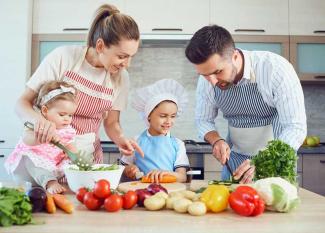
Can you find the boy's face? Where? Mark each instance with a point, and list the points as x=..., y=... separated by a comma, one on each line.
x=162, y=118
x=60, y=112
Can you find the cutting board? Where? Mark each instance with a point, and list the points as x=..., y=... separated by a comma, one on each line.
x=134, y=185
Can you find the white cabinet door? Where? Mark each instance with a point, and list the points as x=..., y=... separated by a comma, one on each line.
x=169, y=16
x=253, y=17
x=307, y=17
x=66, y=16
x=3, y=156
x=15, y=37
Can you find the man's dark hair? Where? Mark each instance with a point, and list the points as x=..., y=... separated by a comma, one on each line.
x=208, y=41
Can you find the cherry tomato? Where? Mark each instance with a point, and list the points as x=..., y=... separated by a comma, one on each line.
x=129, y=200
x=113, y=203
x=91, y=201
x=81, y=194
x=102, y=188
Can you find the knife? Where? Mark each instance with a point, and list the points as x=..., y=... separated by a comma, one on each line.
x=229, y=169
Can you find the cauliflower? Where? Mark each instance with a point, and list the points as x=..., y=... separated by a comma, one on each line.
x=278, y=194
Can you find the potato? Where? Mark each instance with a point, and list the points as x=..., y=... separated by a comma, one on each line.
x=197, y=208
x=161, y=194
x=189, y=194
x=197, y=197
x=154, y=203
x=170, y=202
x=181, y=205
x=176, y=194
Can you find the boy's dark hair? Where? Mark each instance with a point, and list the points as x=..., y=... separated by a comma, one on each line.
x=208, y=41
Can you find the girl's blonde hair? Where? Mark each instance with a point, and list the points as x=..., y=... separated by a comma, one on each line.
x=111, y=26
x=53, y=85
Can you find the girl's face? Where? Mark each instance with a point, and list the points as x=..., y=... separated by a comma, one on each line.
x=59, y=112
x=116, y=57
x=162, y=118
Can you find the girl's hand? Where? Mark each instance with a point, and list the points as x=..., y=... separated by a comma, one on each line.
x=130, y=171
x=127, y=147
x=157, y=175
x=44, y=130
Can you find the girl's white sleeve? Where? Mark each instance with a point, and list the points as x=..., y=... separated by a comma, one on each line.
x=181, y=158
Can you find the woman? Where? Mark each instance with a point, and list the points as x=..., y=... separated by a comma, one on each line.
x=98, y=72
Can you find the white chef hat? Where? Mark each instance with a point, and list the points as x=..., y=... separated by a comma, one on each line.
x=147, y=98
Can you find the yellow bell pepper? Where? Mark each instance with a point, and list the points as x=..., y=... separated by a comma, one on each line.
x=215, y=198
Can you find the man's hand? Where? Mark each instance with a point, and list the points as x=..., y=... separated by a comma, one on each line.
x=221, y=151
x=246, y=171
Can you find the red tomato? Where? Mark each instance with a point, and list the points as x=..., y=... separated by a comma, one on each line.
x=81, y=194
x=91, y=201
x=113, y=203
x=129, y=200
x=102, y=188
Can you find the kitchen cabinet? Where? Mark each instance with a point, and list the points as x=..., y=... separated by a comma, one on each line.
x=169, y=16
x=313, y=177
x=254, y=17
x=62, y=16
x=307, y=17
x=15, y=62
x=3, y=156
x=212, y=168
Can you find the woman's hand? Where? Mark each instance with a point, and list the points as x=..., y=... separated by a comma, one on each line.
x=130, y=171
x=221, y=151
x=44, y=130
x=127, y=147
x=157, y=175
x=246, y=171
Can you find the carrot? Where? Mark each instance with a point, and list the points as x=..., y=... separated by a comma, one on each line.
x=50, y=205
x=63, y=203
x=164, y=179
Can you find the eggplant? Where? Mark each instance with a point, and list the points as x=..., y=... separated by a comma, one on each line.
x=37, y=197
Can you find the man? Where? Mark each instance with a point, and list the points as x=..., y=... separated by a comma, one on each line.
x=258, y=93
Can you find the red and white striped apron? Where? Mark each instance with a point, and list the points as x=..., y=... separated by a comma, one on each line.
x=93, y=101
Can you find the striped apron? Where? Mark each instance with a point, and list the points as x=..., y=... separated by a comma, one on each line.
x=93, y=101
x=251, y=122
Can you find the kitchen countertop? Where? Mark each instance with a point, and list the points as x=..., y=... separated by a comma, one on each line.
x=205, y=148
x=309, y=217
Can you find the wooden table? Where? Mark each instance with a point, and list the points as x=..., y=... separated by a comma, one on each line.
x=309, y=217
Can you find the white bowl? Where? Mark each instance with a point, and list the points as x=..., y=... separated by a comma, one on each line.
x=78, y=179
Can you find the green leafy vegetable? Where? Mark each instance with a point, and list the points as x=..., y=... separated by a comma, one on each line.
x=15, y=207
x=277, y=160
x=100, y=168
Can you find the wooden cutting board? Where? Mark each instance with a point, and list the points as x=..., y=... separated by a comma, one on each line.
x=134, y=185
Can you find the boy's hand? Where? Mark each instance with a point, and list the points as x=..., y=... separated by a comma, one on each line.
x=130, y=171
x=157, y=175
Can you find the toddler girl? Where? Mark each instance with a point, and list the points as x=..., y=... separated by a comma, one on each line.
x=42, y=164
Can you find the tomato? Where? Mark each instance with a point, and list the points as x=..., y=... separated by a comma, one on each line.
x=102, y=188
x=113, y=203
x=91, y=201
x=81, y=194
x=129, y=200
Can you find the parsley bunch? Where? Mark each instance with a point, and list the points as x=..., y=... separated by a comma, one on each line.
x=277, y=160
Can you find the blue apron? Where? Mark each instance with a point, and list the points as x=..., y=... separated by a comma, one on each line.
x=160, y=153
x=251, y=122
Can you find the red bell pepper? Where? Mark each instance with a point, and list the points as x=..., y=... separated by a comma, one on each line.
x=246, y=201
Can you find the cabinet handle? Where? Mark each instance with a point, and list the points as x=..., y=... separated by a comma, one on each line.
x=2, y=156
x=319, y=31
x=319, y=76
x=249, y=30
x=168, y=29
x=75, y=29
x=2, y=141
x=322, y=161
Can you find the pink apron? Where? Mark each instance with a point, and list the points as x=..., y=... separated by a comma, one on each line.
x=93, y=101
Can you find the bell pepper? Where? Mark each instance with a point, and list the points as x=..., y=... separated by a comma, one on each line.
x=215, y=198
x=246, y=201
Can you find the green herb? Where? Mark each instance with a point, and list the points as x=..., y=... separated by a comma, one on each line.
x=277, y=160
x=100, y=168
x=224, y=182
x=15, y=207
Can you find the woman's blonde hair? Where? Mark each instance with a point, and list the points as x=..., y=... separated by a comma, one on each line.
x=111, y=26
x=53, y=85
